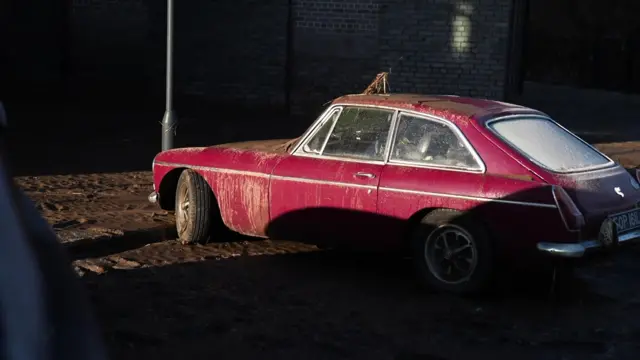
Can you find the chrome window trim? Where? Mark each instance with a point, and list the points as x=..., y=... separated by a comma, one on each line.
x=456, y=130
x=333, y=126
x=314, y=126
x=297, y=151
x=337, y=158
x=392, y=134
x=610, y=163
x=414, y=164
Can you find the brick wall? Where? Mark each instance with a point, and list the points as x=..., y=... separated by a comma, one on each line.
x=451, y=47
x=236, y=50
x=431, y=46
x=335, y=51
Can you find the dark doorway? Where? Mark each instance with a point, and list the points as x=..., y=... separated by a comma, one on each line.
x=584, y=43
x=516, y=60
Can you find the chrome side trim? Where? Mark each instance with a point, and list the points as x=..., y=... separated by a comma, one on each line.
x=578, y=250
x=214, y=169
x=323, y=182
x=362, y=186
x=473, y=198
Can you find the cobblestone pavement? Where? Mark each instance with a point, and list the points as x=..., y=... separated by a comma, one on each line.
x=248, y=298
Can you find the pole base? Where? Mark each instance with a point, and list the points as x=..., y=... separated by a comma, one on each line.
x=169, y=123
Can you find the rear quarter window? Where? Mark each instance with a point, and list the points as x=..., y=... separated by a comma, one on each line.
x=549, y=145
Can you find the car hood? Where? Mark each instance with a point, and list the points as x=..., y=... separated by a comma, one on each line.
x=273, y=145
x=189, y=155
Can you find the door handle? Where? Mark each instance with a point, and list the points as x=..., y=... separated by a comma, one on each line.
x=364, y=175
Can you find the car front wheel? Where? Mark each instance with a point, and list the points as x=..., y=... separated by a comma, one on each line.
x=193, y=208
x=452, y=253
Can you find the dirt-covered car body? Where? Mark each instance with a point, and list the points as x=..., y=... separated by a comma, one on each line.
x=371, y=166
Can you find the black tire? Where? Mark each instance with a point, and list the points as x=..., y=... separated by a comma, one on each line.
x=193, y=211
x=427, y=245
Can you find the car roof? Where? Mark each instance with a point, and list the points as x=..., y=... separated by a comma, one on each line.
x=454, y=108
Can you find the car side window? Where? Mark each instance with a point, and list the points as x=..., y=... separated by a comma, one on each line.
x=419, y=140
x=315, y=144
x=360, y=133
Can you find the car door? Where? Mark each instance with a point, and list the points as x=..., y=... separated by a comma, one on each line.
x=326, y=191
x=431, y=165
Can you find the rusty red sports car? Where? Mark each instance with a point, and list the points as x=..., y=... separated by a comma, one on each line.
x=460, y=182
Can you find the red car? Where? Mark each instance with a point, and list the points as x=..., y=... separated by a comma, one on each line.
x=461, y=182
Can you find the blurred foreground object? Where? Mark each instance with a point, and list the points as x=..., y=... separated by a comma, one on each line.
x=45, y=313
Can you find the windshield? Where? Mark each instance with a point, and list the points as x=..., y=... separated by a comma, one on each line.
x=549, y=145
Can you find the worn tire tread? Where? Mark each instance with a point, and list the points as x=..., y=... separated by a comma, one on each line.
x=200, y=194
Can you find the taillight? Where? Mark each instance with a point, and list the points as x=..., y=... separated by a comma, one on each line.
x=571, y=215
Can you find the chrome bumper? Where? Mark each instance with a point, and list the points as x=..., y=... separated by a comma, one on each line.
x=153, y=197
x=578, y=250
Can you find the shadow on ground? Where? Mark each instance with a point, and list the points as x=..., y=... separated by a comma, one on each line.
x=92, y=247
x=269, y=299
x=340, y=305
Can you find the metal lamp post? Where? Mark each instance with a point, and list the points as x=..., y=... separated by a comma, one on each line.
x=169, y=121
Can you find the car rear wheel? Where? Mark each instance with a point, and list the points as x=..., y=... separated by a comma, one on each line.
x=193, y=208
x=452, y=253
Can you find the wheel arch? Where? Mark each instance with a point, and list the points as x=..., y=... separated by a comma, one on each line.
x=414, y=221
x=169, y=185
x=167, y=188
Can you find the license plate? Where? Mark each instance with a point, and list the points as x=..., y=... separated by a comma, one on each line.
x=626, y=221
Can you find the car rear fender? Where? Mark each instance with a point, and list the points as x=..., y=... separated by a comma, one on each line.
x=414, y=221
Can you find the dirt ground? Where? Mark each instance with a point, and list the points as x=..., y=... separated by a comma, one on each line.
x=247, y=299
